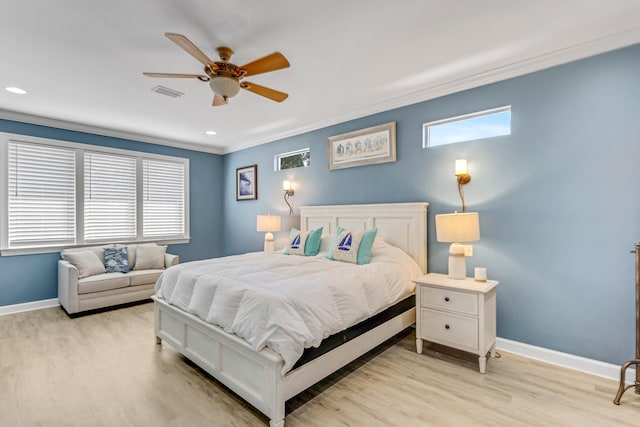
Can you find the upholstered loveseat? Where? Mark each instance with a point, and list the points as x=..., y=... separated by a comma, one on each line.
x=101, y=276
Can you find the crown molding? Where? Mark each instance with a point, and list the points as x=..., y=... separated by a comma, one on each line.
x=98, y=130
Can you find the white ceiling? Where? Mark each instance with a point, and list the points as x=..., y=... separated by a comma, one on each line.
x=81, y=61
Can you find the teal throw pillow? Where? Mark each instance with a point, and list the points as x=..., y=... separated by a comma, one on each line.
x=313, y=242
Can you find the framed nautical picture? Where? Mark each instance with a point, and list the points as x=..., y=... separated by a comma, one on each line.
x=363, y=147
x=247, y=183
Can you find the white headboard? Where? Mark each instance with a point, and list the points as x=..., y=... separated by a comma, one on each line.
x=403, y=225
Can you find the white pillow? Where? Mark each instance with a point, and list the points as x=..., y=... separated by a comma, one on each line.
x=379, y=243
x=149, y=257
x=325, y=242
x=131, y=252
x=87, y=262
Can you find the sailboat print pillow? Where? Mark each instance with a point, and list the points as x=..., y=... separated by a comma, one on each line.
x=305, y=243
x=352, y=247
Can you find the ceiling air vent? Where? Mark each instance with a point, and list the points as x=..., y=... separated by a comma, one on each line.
x=166, y=91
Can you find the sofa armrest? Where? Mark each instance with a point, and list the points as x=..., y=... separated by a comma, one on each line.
x=68, y=286
x=170, y=259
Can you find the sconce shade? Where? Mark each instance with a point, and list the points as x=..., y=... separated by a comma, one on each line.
x=268, y=223
x=458, y=227
x=461, y=167
x=286, y=185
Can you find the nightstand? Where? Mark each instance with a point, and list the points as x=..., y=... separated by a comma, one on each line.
x=457, y=313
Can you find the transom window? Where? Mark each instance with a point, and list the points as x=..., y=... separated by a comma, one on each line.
x=470, y=127
x=293, y=159
x=57, y=194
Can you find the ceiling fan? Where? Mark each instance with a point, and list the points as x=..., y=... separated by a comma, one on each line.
x=224, y=77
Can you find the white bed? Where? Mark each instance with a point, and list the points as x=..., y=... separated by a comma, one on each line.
x=257, y=375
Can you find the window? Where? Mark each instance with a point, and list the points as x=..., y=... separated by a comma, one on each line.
x=470, y=127
x=292, y=159
x=56, y=194
x=41, y=195
x=109, y=197
x=163, y=198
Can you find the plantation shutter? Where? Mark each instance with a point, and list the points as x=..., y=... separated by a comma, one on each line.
x=109, y=197
x=41, y=199
x=163, y=198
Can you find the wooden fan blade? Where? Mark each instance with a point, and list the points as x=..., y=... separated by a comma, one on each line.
x=189, y=47
x=264, y=91
x=273, y=62
x=218, y=101
x=201, y=77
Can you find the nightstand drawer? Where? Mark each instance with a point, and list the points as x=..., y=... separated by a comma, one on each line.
x=456, y=331
x=447, y=299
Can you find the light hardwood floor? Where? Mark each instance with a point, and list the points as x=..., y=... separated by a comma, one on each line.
x=106, y=370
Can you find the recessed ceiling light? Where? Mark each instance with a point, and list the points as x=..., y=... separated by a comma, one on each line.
x=15, y=90
x=210, y=132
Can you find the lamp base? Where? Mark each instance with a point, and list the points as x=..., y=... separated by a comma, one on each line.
x=269, y=245
x=457, y=263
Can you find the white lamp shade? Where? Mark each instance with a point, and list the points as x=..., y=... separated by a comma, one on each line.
x=458, y=227
x=268, y=223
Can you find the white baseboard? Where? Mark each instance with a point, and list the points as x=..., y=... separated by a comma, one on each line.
x=566, y=360
x=28, y=306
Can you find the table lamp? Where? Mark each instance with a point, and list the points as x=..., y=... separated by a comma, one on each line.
x=268, y=224
x=457, y=228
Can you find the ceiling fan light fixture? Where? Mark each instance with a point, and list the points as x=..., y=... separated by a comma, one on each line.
x=226, y=87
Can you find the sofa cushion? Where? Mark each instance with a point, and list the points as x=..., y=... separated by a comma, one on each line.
x=149, y=257
x=86, y=261
x=144, y=277
x=102, y=282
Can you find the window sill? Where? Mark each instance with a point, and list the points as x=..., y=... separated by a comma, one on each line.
x=54, y=249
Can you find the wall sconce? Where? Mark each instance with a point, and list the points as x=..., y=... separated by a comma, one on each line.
x=268, y=224
x=288, y=192
x=462, y=173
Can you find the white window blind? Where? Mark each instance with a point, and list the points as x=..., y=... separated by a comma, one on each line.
x=163, y=198
x=41, y=195
x=109, y=197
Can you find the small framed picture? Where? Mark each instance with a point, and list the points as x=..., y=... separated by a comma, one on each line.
x=247, y=183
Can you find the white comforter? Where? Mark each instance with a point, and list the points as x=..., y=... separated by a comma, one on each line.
x=288, y=302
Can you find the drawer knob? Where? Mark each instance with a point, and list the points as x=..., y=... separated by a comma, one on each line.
x=446, y=299
x=446, y=326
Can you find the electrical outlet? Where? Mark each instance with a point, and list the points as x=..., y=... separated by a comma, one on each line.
x=468, y=250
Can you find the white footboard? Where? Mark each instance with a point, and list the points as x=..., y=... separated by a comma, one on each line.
x=255, y=376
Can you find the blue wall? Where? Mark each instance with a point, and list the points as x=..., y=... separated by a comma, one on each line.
x=558, y=199
x=27, y=278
